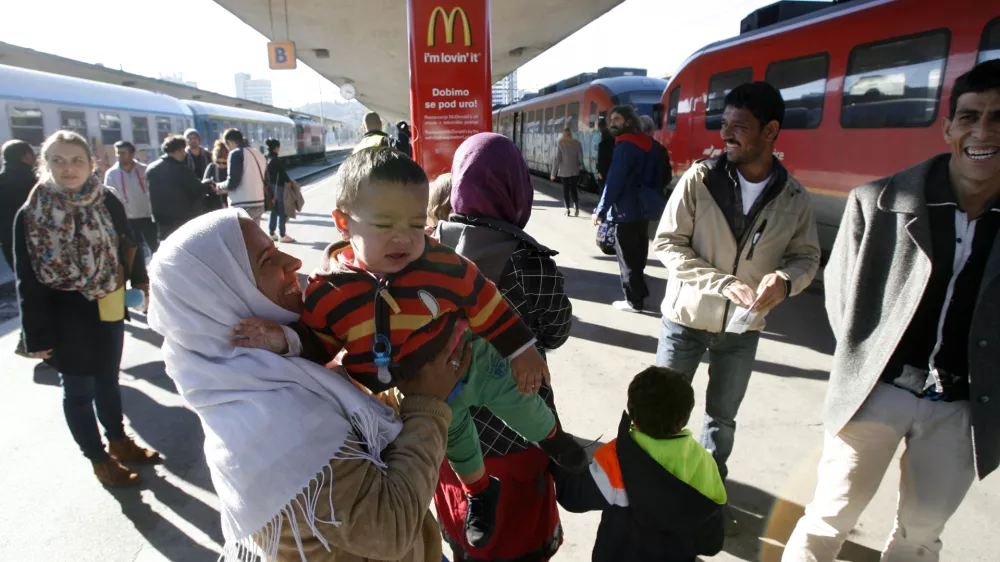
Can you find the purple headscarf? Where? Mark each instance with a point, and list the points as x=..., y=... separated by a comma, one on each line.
x=489, y=178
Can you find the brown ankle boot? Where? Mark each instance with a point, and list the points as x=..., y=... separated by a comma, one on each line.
x=127, y=450
x=112, y=473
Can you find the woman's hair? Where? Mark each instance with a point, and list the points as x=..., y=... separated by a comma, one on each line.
x=439, y=203
x=62, y=137
x=272, y=145
x=567, y=136
x=219, y=149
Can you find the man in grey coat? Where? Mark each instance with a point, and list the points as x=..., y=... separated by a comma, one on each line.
x=913, y=295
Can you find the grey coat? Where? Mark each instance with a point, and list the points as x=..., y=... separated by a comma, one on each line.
x=568, y=160
x=878, y=270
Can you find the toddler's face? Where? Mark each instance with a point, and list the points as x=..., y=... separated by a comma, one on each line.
x=386, y=225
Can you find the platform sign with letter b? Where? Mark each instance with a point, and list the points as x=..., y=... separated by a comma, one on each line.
x=281, y=55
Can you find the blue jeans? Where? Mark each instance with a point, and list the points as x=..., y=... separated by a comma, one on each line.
x=278, y=211
x=730, y=363
x=82, y=393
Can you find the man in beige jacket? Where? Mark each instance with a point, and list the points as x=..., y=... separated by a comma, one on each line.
x=737, y=237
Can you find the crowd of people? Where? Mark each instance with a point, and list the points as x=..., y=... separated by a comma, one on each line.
x=418, y=348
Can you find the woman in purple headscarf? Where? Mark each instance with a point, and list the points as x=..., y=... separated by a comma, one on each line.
x=491, y=202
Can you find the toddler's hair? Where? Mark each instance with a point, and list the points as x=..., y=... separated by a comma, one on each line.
x=379, y=164
x=439, y=204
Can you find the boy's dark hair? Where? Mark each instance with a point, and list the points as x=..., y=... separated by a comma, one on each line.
x=126, y=145
x=272, y=144
x=983, y=77
x=660, y=401
x=632, y=124
x=761, y=99
x=173, y=143
x=233, y=135
x=379, y=164
x=16, y=150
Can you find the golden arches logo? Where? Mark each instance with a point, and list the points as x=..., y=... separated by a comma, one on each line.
x=449, y=26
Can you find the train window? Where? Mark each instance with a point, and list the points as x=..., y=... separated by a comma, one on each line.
x=573, y=116
x=673, y=102
x=593, y=115
x=26, y=124
x=895, y=83
x=162, y=128
x=140, y=130
x=539, y=123
x=111, y=128
x=719, y=85
x=74, y=121
x=529, y=124
x=548, y=120
x=560, y=121
x=989, y=49
x=802, y=82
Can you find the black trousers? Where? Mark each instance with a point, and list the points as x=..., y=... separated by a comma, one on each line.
x=632, y=247
x=144, y=230
x=570, y=193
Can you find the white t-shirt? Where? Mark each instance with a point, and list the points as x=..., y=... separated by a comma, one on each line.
x=750, y=191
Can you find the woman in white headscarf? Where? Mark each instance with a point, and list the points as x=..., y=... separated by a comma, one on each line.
x=306, y=465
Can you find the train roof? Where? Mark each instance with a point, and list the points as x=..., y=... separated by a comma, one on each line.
x=617, y=85
x=33, y=85
x=225, y=112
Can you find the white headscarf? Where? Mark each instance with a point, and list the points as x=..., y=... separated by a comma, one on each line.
x=272, y=424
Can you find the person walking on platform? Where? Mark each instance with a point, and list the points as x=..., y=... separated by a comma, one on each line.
x=911, y=292
x=662, y=156
x=73, y=253
x=630, y=199
x=217, y=172
x=196, y=157
x=17, y=177
x=245, y=184
x=605, y=151
x=374, y=136
x=737, y=237
x=403, y=139
x=127, y=180
x=175, y=194
x=566, y=166
x=277, y=182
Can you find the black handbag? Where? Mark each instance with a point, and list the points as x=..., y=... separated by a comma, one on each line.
x=606, y=238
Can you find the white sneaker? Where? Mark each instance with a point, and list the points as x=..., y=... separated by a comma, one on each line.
x=624, y=306
x=287, y=239
x=274, y=237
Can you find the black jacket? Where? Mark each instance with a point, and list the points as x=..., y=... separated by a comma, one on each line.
x=16, y=181
x=664, y=518
x=605, y=153
x=666, y=169
x=197, y=164
x=66, y=321
x=175, y=194
x=276, y=173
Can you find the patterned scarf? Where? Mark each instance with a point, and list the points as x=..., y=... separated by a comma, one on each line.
x=72, y=239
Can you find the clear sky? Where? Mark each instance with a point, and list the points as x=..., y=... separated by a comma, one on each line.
x=152, y=37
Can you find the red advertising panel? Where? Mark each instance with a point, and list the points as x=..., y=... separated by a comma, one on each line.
x=450, y=82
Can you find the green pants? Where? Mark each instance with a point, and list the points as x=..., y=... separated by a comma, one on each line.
x=489, y=383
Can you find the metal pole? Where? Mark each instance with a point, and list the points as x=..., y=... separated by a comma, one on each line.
x=322, y=119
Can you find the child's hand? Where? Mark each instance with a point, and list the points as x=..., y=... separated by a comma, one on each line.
x=261, y=334
x=529, y=369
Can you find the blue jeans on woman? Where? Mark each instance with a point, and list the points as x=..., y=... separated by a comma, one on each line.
x=82, y=393
x=278, y=211
x=730, y=363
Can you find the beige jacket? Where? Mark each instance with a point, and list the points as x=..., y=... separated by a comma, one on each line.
x=384, y=514
x=696, y=244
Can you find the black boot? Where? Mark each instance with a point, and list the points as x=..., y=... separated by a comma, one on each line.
x=481, y=515
x=565, y=451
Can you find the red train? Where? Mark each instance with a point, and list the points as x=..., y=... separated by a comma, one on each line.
x=577, y=103
x=866, y=84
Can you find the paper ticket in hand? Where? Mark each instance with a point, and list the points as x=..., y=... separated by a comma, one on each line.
x=741, y=320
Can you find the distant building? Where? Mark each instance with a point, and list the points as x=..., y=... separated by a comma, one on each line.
x=178, y=78
x=253, y=90
x=505, y=91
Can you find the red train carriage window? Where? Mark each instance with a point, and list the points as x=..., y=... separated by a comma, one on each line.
x=895, y=83
x=26, y=125
x=573, y=116
x=74, y=121
x=548, y=120
x=560, y=121
x=111, y=128
x=989, y=49
x=718, y=86
x=802, y=82
x=140, y=130
x=673, y=101
x=593, y=115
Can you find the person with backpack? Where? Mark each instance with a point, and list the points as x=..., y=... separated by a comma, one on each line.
x=662, y=156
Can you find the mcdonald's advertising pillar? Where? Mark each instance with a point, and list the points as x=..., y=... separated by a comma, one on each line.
x=450, y=77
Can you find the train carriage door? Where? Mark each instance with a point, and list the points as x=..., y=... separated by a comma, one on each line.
x=515, y=133
x=520, y=135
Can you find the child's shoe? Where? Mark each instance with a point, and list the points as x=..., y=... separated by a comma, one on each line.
x=565, y=451
x=481, y=514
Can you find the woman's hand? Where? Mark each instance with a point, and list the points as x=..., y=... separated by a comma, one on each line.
x=47, y=354
x=552, y=178
x=529, y=370
x=260, y=334
x=438, y=377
